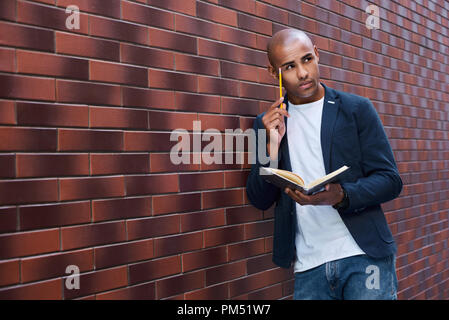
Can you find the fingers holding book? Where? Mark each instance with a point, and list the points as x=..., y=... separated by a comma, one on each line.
x=332, y=195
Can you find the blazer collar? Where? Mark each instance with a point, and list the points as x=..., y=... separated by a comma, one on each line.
x=330, y=110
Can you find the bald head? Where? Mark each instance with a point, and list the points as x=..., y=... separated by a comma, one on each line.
x=283, y=38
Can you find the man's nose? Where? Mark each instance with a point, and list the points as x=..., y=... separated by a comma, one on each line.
x=301, y=73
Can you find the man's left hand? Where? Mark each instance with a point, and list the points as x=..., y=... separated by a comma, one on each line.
x=332, y=195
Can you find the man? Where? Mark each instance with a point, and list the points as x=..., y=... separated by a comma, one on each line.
x=338, y=238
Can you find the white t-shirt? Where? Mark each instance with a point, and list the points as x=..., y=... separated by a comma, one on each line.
x=321, y=234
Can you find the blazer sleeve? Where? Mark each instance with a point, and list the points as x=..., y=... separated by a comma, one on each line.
x=381, y=181
x=260, y=193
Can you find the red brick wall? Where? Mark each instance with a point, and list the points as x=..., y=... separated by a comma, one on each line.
x=85, y=121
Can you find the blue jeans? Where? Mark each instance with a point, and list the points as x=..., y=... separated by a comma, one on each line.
x=354, y=278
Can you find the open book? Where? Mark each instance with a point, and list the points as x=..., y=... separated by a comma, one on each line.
x=284, y=179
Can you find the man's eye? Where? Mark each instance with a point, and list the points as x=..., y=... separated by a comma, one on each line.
x=307, y=59
x=288, y=67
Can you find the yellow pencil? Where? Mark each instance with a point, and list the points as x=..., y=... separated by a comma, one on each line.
x=280, y=87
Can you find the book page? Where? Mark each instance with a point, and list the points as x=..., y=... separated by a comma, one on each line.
x=290, y=176
x=326, y=177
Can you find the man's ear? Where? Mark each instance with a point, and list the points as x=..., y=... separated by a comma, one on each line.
x=272, y=71
x=316, y=53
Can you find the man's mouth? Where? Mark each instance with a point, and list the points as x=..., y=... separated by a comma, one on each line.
x=306, y=85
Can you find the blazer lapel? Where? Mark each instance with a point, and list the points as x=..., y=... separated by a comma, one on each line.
x=330, y=110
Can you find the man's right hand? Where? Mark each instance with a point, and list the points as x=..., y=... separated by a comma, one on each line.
x=274, y=123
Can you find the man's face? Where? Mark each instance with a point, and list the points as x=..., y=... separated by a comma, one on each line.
x=300, y=73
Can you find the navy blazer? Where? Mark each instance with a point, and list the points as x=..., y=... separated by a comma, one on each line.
x=352, y=134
